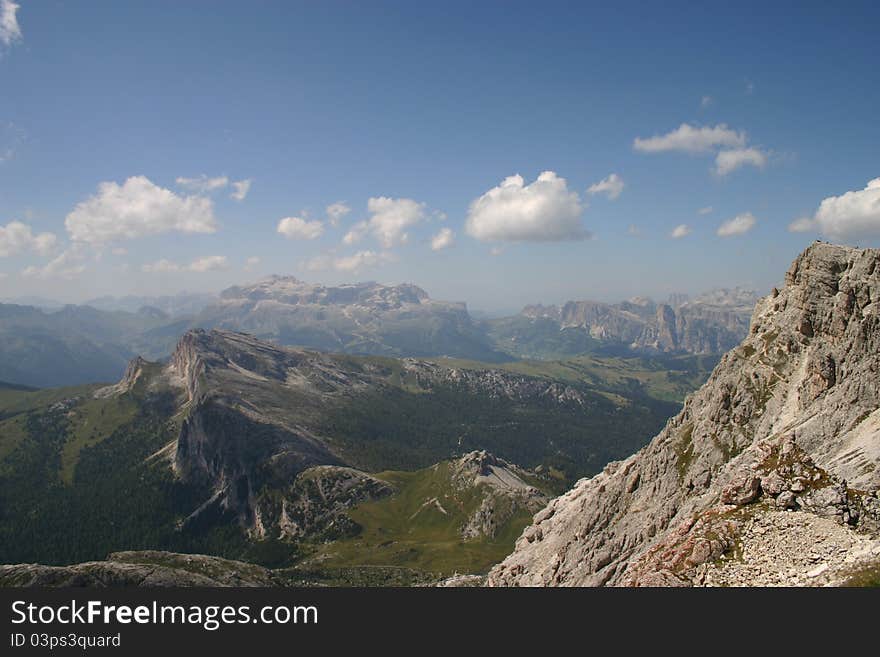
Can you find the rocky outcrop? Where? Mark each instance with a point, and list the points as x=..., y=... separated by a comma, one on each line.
x=316, y=505
x=147, y=569
x=493, y=382
x=505, y=492
x=787, y=420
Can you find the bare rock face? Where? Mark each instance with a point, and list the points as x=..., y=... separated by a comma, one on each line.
x=789, y=419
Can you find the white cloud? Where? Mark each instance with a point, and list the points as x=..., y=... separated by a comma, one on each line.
x=544, y=211
x=240, y=189
x=707, y=210
x=692, y=139
x=336, y=212
x=200, y=265
x=682, y=230
x=706, y=101
x=852, y=215
x=17, y=237
x=67, y=265
x=251, y=263
x=361, y=259
x=356, y=233
x=803, y=225
x=443, y=239
x=209, y=263
x=138, y=208
x=202, y=184
x=612, y=186
x=739, y=225
x=730, y=160
x=297, y=228
x=391, y=217
x=10, y=32
x=352, y=263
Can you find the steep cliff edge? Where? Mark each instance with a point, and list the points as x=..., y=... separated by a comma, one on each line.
x=787, y=422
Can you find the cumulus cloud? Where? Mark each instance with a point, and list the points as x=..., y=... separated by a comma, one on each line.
x=200, y=265
x=612, y=186
x=66, y=266
x=17, y=237
x=356, y=233
x=445, y=238
x=543, y=211
x=391, y=218
x=10, y=32
x=730, y=160
x=297, y=228
x=138, y=208
x=692, y=139
x=852, y=215
x=706, y=101
x=240, y=189
x=682, y=230
x=704, y=211
x=360, y=260
x=351, y=263
x=203, y=184
x=336, y=212
x=739, y=225
x=730, y=147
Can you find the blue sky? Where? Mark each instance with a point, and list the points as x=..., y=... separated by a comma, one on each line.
x=107, y=108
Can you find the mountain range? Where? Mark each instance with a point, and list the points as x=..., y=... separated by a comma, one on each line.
x=247, y=450
x=287, y=466
x=84, y=344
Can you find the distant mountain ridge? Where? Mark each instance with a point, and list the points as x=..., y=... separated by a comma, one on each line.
x=92, y=343
x=710, y=323
x=361, y=318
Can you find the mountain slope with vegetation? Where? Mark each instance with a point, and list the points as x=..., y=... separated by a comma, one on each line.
x=245, y=450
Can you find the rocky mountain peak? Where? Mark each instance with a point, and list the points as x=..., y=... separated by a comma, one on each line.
x=789, y=419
